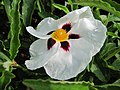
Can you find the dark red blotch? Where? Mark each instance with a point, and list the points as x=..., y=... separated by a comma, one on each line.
x=67, y=27
x=74, y=36
x=50, y=43
x=65, y=45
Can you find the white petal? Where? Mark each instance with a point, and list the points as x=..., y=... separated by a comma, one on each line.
x=99, y=36
x=92, y=31
x=40, y=54
x=37, y=33
x=47, y=24
x=75, y=15
x=44, y=27
x=81, y=51
x=65, y=65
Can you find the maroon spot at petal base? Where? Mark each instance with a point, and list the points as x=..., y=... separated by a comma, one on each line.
x=67, y=27
x=50, y=43
x=74, y=36
x=65, y=45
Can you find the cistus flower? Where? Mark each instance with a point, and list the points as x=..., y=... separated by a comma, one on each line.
x=67, y=45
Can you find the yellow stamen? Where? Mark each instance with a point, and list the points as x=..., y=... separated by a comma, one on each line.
x=60, y=35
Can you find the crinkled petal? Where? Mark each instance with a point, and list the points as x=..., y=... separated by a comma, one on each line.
x=65, y=65
x=44, y=27
x=40, y=54
x=92, y=31
x=75, y=15
x=36, y=33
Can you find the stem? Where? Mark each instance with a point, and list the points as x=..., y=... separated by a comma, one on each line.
x=22, y=68
x=26, y=70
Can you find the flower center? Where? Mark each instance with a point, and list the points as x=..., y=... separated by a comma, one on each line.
x=60, y=35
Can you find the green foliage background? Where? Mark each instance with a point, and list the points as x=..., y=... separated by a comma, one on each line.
x=103, y=73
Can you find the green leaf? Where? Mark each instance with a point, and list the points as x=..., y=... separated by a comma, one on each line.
x=116, y=64
x=5, y=79
x=108, y=47
x=117, y=82
x=1, y=67
x=61, y=7
x=7, y=4
x=44, y=14
x=117, y=25
x=57, y=85
x=104, y=19
x=96, y=70
x=27, y=11
x=3, y=46
x=113, y=4
x=14, y=29
x=73, y=6
x=39, y=6
x=96, y=14
x=70, y=2
x=109, y=51
x=101, y=68
x=4, y=57
x=100, y=4
x=113, y=18
x=113, y=86
x=113, y=35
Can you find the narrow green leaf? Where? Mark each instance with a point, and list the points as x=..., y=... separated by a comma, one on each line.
x=5, y=79
x=27, y=11
x=113, y=4
x=109, y=50
x=4, y=57
x=111, y=53
x=44, y=14
x=61, y=7
x=14, y=29
x=73, y=6
x=118, y=26
x=7, y=4
x=3, y=47
x=113, y=18
x=100, y=66
x=39, y=7
x=104, y=19
x=108, y=47
x=113, y=35
x=96, y=70
x=116, y=64
x=57, y=85
x=100, y=4
x=117, y=82
x=1, y=66
x=69, y=1
x=113, y=86
x=96, y=14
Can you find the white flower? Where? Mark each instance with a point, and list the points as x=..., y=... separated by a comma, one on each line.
x=66, y=45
